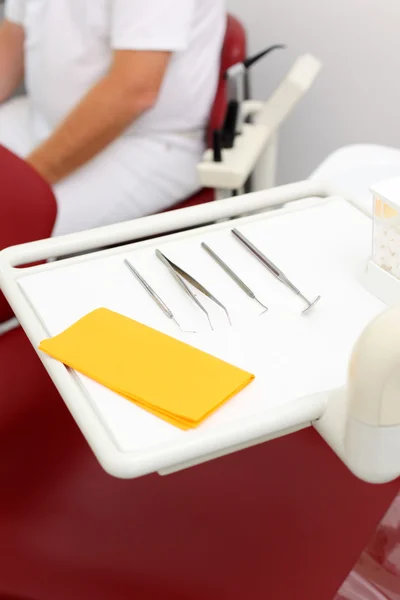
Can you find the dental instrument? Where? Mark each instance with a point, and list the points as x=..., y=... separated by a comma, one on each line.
x=183, y=285
x=181, y=275
x=272, y=268
x=233, y=276
x=160, y=303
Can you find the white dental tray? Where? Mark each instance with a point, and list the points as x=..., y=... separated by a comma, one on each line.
x=321, y=244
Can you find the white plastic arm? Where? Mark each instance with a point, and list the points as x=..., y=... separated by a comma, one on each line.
x=240, y=161
x=292, y=89
x=362, y=422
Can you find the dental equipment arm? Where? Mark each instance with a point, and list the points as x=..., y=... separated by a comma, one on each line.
x=362, y=423
x=252, y=151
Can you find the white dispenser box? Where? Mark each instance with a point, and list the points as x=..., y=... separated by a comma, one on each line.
x=383, y=271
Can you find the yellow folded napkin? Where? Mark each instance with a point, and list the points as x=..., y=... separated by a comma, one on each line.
x=170, y=379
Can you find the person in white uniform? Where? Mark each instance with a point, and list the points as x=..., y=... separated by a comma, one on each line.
x=118, y=97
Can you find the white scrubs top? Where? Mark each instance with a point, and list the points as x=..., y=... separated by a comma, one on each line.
x=68, y=48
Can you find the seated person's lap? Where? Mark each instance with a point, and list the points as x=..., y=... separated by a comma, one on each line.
x=133, y=177
x=15, y=126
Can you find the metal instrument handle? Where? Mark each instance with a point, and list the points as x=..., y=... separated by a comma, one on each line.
x=150, y=290
x=228, y=271
x=178, y=278
x=261, y=257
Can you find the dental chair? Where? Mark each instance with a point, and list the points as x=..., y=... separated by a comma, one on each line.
x=281, y=520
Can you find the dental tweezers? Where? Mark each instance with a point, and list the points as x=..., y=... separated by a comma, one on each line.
x=233, y=275
x=182, y=277
x=272, y=268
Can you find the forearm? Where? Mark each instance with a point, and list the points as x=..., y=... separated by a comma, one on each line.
x=11, y=58
x=103, y=114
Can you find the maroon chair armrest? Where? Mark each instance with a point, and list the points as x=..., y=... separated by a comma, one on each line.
x=28, y=208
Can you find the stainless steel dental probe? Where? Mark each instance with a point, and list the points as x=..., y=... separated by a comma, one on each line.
x=233, y=276
x=272, y=268
x=153, y=294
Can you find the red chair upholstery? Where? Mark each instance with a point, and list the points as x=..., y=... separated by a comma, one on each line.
x=281, y=520
x=27, y=208
x=233, y=51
